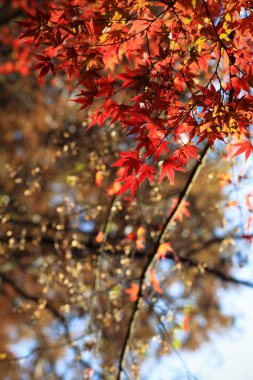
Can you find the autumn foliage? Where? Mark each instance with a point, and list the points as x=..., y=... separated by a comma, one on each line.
x=158, y=85
x=171, y=74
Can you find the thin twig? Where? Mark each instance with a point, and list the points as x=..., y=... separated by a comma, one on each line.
x=97, y=285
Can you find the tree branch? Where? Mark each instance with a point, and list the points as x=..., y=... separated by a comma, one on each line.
x=168, y=223
x=67, y=336
x=212, y=271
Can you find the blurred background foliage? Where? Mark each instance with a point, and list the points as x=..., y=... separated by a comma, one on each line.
x=72, y=251
x=56, y=199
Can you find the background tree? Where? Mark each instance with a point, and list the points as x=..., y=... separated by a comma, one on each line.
x=77, y=283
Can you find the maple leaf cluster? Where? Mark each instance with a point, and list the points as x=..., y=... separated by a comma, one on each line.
x=171, y=74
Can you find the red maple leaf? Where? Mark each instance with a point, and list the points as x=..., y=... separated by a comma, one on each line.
x=133, y=291
x=130, y=183
x=244, y=147
x=186, y=152
x=182, y=210
x=168, y=169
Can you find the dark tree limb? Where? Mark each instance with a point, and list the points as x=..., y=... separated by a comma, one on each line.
x=149, y=265
x=9, y=281
x=212, y=271
x=67, y=336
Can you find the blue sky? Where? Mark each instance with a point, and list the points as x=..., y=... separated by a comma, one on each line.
x=228, y=355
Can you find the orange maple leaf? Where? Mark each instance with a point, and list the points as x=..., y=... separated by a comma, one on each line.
x=141, y=237
x=114, y=188
x=100, y=236
x=154, y=282
x=182, y=210
x=133, y=291
x=99, y=178
x=163, y=249
x=186, y=323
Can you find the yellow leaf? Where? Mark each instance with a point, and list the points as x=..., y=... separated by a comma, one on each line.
x=200, y=42
x=103, y=37
x=117, y=17
x=163, y=249
x=224, y=36
x=176, y=343
x=141, y=4
x=141, y=232
x=187, y=20
x=228, y=17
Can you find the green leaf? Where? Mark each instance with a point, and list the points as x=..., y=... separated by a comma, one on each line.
x=176, y=344
x=79, y=167
x=194, y=3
